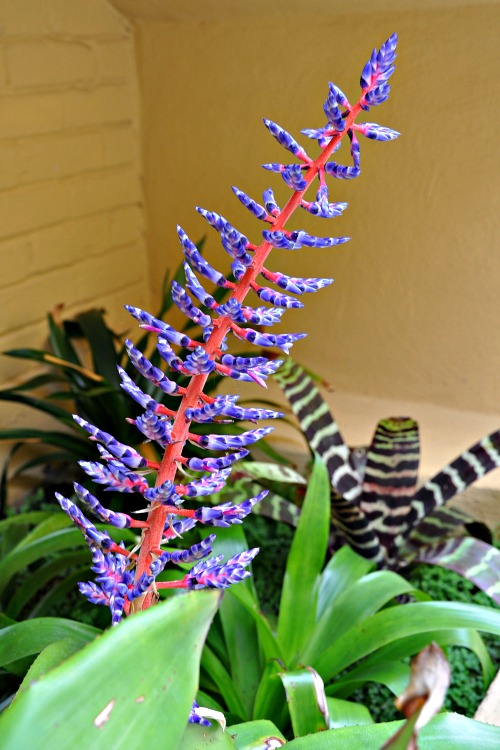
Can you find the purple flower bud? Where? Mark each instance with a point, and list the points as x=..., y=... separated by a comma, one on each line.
x=228, y=442
x=255, y=208
x=293, y=283
x=149, y=371
x=92, y=536
x=198, y=362
x=231, y=309
x=209, y=574
x=376, y=132
x=206, y=485
x=193, y=255
x=170, y=357
x=165, y=493
x=186, y=306
x=276, y=298
x=270, y=202
x=214, y=464
x=195, y=718
x=285, y=139
x=292, y=175
x=120, y=520
x=133, y=390
x=154, y=428
x=226, y=514
x=232, y=241
x=321, y=207
x=125, y=453
x=262, y=316
x=332, y=111
x=282, y=340
x=197, y=290
x=115, y=479
x=150, y=323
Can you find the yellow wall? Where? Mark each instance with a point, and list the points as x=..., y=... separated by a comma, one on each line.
x=414, y=312
x=71, y=221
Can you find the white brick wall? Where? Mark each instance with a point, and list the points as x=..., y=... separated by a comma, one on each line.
x=71, y=219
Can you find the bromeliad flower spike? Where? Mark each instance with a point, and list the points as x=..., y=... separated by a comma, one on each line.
x=126, y=580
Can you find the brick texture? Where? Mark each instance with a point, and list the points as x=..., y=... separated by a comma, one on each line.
x=71, y=218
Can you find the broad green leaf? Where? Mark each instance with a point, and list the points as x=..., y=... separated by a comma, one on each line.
x=346, y=713
x=392, y=674
x=305, y=695
x=240, y=632
x=136, y=681
x=361, y=600
x=55, y=522
x=222, y=679
x=196, y=737
x=305, y=563
x=270, y=699
x=445, y=732
x=21, y=555
x=344, y=568
x=398, y=622
x=256, y=735
x=267, y=639
x=29, y=589
x=400, y=648
x=29, y=637
x=48, y=658
x=24, y=519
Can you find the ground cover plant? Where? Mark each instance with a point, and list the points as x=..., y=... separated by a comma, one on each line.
x=138, y=682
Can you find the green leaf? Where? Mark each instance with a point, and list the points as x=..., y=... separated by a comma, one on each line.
x=255, y=735
x=346, y=713
x=29, y=589
x=445, y=732
x=305, y=695
x=267, y=639
x=222, y=679
x=398, y=622
x=27, y=638
x=361, y=600
x=135, y=684
x=393, y=674
x=48, y=658
x=305, y=562
x=196, y=737
x=344, y=568
x=240, y=632
x=23, y=555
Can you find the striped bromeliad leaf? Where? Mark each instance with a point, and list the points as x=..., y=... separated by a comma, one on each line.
x=376, y=505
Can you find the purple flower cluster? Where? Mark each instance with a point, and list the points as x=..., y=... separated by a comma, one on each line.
x=122, y=576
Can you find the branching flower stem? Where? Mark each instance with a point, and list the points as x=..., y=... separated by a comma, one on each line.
x=157, y=516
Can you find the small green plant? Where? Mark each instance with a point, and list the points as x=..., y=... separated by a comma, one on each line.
x=376, y=506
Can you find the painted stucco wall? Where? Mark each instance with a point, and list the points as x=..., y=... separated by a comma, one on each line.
x=71, y=217
x=414, y=312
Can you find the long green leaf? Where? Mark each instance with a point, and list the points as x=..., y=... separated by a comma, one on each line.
x=305, y=695
x=49, y=657
x=398, y=622
x=344, y=568
x=305, y=563
x=222, y=679
x=21, y=556
x=27, y=638
x=346, y=713
x=256, y=735
x=240, y=632
x=196, y=737
x=365, y=597
x=445, y=732
x=133, y=687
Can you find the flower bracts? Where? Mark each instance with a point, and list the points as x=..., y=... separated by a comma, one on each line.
x=126, y=580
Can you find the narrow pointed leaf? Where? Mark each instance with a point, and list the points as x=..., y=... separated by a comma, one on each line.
x=305, y=563
x=256, y=735
x=346, y=713
x=148, y=692
x=305, y=695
